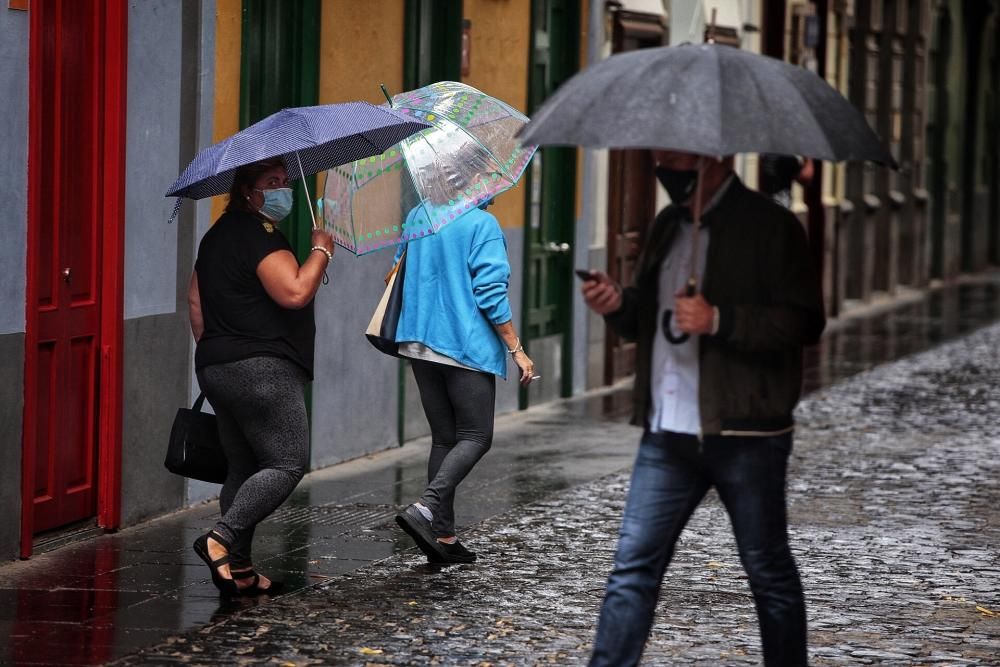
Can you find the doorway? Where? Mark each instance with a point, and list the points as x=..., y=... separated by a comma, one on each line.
x=73, y=322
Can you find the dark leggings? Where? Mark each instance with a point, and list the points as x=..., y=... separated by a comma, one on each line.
x=459, y=405
x=261, y=410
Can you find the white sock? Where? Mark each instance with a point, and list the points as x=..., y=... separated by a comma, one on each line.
x=424, y=511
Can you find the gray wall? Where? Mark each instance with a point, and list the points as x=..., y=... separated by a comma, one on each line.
x=13, y=168
x=13, y=245
x=200, y=27
x=355, y=396
x=11, y=407
x=165, y=126
x=156, y=89
x=155, y=386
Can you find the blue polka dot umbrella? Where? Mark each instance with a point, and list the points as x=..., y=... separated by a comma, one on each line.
x=309, y=139
x=468, y=156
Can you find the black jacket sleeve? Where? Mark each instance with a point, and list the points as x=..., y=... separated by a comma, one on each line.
x=625, y=320
x=794, y=314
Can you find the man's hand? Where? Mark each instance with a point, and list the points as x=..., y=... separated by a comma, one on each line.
x=601, y=294
x=693, y=315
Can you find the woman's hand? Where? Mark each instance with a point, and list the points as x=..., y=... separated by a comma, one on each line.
x=526, y=365
x=516, y=351
x=323, y=239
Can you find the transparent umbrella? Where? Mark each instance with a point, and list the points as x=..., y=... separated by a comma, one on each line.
x=467, y=156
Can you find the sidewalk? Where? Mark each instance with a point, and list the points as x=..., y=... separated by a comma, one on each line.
x=893, y=489
x=98, y=600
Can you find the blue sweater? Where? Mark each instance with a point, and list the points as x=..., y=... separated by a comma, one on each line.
x=455, y=290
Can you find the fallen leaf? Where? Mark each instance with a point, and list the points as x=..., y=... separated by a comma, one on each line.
x=984, y=611
x=714, y=564
x=371, y=651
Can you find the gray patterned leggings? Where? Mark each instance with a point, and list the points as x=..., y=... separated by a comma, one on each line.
x=261, y=410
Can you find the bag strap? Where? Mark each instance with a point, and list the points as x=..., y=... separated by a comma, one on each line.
x=198, y=402
x=395, y=268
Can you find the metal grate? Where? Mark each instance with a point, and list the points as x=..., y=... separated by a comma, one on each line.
x=350, y=516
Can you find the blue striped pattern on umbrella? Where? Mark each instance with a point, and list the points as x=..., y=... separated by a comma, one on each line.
x=323, y=136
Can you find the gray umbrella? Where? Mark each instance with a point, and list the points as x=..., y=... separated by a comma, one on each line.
x=708, y=99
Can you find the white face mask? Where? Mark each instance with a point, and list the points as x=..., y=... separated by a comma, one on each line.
x=277, y=203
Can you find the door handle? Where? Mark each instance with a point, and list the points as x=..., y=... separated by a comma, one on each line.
x=561, y=248
x=67, y=274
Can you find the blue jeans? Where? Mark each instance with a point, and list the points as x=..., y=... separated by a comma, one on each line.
x=672, y=474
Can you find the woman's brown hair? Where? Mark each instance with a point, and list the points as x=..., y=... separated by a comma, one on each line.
x=247, y=175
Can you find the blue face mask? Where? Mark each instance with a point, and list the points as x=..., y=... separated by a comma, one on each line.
x=277, y=204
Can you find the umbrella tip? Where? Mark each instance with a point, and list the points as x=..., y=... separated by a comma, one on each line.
x=386, y=93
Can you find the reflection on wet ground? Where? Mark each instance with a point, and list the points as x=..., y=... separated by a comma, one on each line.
x=94, y=601
x=860, y=343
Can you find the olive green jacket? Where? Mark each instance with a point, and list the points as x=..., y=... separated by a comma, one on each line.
x=760, y=275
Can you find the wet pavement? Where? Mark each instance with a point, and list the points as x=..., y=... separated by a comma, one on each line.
x=892, y=491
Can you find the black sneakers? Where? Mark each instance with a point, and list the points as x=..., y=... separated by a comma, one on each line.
x=419, y=528
x=457, y=553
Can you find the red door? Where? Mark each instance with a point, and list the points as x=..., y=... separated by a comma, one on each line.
x=73, y=318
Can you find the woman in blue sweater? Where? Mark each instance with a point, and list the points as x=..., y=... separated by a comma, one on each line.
x=456, y=327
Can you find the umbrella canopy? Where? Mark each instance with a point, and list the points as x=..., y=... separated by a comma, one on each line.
x=310, y=139
x=708, y=99
x=467, y=156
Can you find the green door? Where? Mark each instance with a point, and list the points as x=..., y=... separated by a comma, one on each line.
x=432, y=42
x=280, y=69
x=432, y=52
x=548, y=235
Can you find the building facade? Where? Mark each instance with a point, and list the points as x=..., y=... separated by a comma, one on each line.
x=105, y=102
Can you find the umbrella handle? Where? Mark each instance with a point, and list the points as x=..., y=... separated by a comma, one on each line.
x=305, y=187
x=677, y=339
x=673, y=339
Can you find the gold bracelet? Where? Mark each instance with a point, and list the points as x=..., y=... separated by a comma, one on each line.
x=329, y=255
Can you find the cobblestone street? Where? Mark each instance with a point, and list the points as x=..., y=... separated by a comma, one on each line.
x=894, y=484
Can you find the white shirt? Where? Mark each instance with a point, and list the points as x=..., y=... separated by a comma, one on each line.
x=675, y=367
x=414, y=350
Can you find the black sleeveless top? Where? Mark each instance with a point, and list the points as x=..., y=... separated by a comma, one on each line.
x=241, y=319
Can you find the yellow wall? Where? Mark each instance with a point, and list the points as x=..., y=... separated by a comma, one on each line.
x=498, y=66
x=228, y=35
x=361, y=46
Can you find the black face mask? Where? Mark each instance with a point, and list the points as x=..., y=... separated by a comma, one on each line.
x=678, y=184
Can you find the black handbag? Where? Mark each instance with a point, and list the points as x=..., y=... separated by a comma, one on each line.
x=195, y=450
x=381, y=331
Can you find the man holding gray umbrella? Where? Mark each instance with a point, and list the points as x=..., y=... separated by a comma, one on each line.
x=718, y=359
x=718, y=373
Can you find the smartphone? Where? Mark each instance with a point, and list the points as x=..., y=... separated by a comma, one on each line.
x=584, y=274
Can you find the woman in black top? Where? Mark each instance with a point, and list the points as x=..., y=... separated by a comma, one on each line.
x=251, y=308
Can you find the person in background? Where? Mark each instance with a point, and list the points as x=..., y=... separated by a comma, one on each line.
x=778, y=172
x=251, y=310
x=457, y=329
